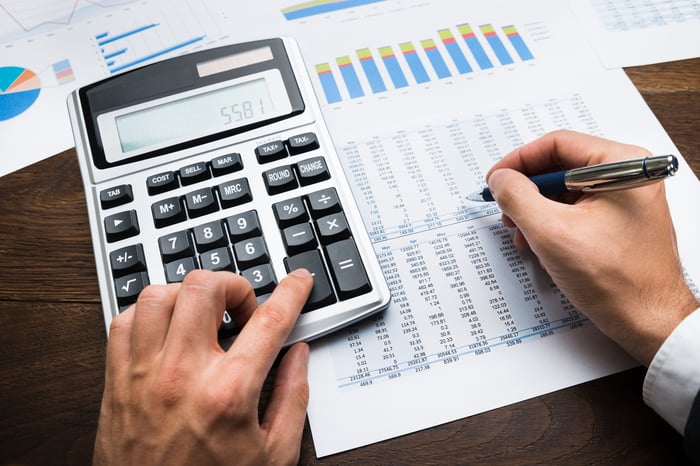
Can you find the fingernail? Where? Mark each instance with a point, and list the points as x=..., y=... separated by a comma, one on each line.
x=301, y=273
x=494, y=180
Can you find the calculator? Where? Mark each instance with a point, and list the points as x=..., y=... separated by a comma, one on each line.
x=221, y=160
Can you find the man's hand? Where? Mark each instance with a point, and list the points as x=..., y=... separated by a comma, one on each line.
x=613, y=254
x=173, y=396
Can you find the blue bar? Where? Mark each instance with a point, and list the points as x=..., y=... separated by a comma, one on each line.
x=156, y=54
x=500, y=50
x=393, y=67
x=371, y=71
x=496, y=44
x=126, y=34
x=518, y=43
x=414, y=63
x=115, y=54
x=475, y=46
x=435, y=58
x=330, y=88
x=458, y=57
x=350, y=77
x=101, y=35
x=479, y=53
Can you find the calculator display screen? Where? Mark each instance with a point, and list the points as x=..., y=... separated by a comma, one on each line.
x=202, y=99
x=205, y=113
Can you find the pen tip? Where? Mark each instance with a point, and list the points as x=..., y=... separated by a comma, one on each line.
x=476, y=196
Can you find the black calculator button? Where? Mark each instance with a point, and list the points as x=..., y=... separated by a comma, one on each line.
x=243, y=226
x=280, y=179
x=332, y=228
x=128, y=287
x=121, y=225
x=323, y=202
x=290, y=212
x=273, y=150
x=312, y=171
x=209, y=236
x=194, y=173
x=127, y=260
x=322, y=292
x=228, y=163
x=201, y=202
x=299, y=238
x=177, y=270
x=346, y=267
x=175, y=246
x=116, y=196
x=302, y=143
x=234, y=193
x=217, y=259
x=168, y=212
x=262, y=278
x=161, y=183
x=250, y=252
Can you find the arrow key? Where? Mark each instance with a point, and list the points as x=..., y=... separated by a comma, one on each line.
x=122, y=225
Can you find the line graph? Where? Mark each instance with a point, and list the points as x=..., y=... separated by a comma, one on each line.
x=20, y=17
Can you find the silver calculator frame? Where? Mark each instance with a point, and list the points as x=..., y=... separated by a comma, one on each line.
x=310, y=325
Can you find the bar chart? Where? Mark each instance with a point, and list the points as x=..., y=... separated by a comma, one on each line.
x=125, y=49
x=319, y=7
x=460, y=50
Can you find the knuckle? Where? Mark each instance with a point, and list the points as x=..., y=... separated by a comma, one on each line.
x=119, y=322
x=198, y=278
x=273, y=316
x=560, y=133
x=223, y=399
x=301, y=392
x=168, y=386
x=154, y=294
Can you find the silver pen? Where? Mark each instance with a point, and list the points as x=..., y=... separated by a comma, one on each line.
x=611, y=176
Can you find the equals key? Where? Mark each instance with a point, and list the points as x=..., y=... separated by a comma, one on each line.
x=348, y=272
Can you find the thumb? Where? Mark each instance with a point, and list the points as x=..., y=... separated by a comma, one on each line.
x=519, y=199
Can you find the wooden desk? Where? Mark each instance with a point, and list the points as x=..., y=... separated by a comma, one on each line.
x=52, y=340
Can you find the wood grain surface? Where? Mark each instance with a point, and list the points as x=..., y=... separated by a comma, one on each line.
x=52, y=340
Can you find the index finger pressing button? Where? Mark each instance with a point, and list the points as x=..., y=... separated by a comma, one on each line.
x=321, y=293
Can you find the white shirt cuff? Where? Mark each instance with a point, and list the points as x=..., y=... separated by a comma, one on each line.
x=673, y=379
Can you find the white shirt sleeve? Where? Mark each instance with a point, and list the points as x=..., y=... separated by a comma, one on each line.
x=673, y=379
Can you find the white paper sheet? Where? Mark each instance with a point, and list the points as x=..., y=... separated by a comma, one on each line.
x=627, y=33
x=474, y=325
x=60, y=44
x=68, y=44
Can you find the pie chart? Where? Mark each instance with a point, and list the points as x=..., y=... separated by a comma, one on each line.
x=19, y=89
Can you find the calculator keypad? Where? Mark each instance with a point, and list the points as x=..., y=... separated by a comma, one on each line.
x=313, y=229
x=257, y=195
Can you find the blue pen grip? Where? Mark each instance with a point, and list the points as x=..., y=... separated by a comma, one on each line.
x=550, y=183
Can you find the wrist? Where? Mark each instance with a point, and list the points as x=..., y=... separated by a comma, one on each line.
x=664, y=320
